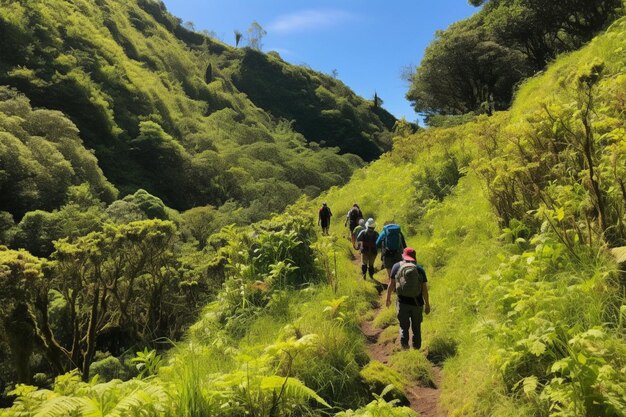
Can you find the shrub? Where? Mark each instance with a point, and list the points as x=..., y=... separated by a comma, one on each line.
x=441, y=347
x=378, y=376
x=108, y=368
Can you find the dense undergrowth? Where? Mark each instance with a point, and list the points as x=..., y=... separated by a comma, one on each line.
x=513, y=217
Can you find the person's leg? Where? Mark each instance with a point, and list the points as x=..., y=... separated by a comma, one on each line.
x=371, y=257
x=363, y=264
x=416, y=325
x=404, y=319
x=387, y=264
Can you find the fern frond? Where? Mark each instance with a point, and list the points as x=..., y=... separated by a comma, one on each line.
x=62, y=407
x=149, y=399
x=294, y=388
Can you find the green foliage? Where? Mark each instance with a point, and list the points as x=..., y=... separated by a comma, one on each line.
x=42, y=156
x=527, y=304
x=70, y=396
x=108, y=368
x=385, y=318
x=441, y=348
x=465, y=70
x=475, y=64
x=146, y=362
x=378, y=376
x=137, y=86
x=380, y=408
x=414, y=366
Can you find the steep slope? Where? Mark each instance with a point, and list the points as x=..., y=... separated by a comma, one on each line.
x=158, y=105
x=512, y=216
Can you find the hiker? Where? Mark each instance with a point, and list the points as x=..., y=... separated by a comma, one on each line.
x=352, y=219
x=355, y=233
x=323, y=218
x=408, y=280
x=366, y=241
x=391, y=241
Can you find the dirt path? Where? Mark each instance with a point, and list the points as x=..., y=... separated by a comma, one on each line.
x=424, y=400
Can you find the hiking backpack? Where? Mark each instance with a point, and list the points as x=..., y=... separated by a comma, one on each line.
x=393, y=237
x=409, y=280
x=368, y=241
x=325, y=212
x=354, y=215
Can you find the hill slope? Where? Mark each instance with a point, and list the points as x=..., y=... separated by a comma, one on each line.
x=158, y=104
x=512, y=216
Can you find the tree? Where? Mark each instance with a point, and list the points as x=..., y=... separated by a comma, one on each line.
x=255, y=36
x=463, y=70
x=543, y=29
x=238, y=36
x=22, y=285
x=377, y=100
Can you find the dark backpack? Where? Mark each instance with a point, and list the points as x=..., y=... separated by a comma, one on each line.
x=354, y=215
x=368, y=241
x=325, y=213
x=409, y=280
x=393, y=237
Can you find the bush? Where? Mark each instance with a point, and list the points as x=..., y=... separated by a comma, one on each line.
x=441, y=348
x=108, y=368
x=377, y=377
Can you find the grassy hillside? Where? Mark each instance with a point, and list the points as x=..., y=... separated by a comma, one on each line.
x=518, y=252
x=514, y=217
x=159, y=106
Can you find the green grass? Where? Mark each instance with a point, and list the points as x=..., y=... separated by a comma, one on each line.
x=414, y=366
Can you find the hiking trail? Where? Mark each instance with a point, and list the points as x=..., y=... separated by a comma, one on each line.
x=423, y=400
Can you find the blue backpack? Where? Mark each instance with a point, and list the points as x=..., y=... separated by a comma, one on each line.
x=393, y=237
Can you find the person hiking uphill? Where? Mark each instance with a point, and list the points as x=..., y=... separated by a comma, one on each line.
x=323, y=218
x=391, y=241
x=352, y=219
x=408, y=280
x=366, y=241
x=358, y=229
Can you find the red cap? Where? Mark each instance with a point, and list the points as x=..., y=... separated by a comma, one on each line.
x=409, y=254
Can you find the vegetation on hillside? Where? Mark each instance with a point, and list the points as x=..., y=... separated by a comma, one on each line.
x=158, y=105
x=476, y=64
x=513, y=216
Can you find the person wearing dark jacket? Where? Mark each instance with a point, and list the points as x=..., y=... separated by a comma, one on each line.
x=352, y=220
x=323, y=218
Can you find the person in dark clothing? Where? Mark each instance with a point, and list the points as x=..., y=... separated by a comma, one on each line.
x=408, y=280
x=366, y=242
x=323, y=218
x=352, y=220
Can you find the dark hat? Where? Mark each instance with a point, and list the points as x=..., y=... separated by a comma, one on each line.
x=409, y=254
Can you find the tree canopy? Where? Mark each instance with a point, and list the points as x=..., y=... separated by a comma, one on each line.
x=475, y=64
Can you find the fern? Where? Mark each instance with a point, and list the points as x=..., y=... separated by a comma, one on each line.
x=293, y=388
x=62, y=407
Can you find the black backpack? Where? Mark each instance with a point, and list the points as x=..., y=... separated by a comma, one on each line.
x=354, y=215
x=368, y=241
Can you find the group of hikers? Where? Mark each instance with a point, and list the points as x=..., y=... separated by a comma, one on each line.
x=405, y=276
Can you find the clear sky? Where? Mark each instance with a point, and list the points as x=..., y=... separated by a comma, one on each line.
x=368, y=42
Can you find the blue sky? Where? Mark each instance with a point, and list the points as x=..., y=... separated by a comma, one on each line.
x=368, y=42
